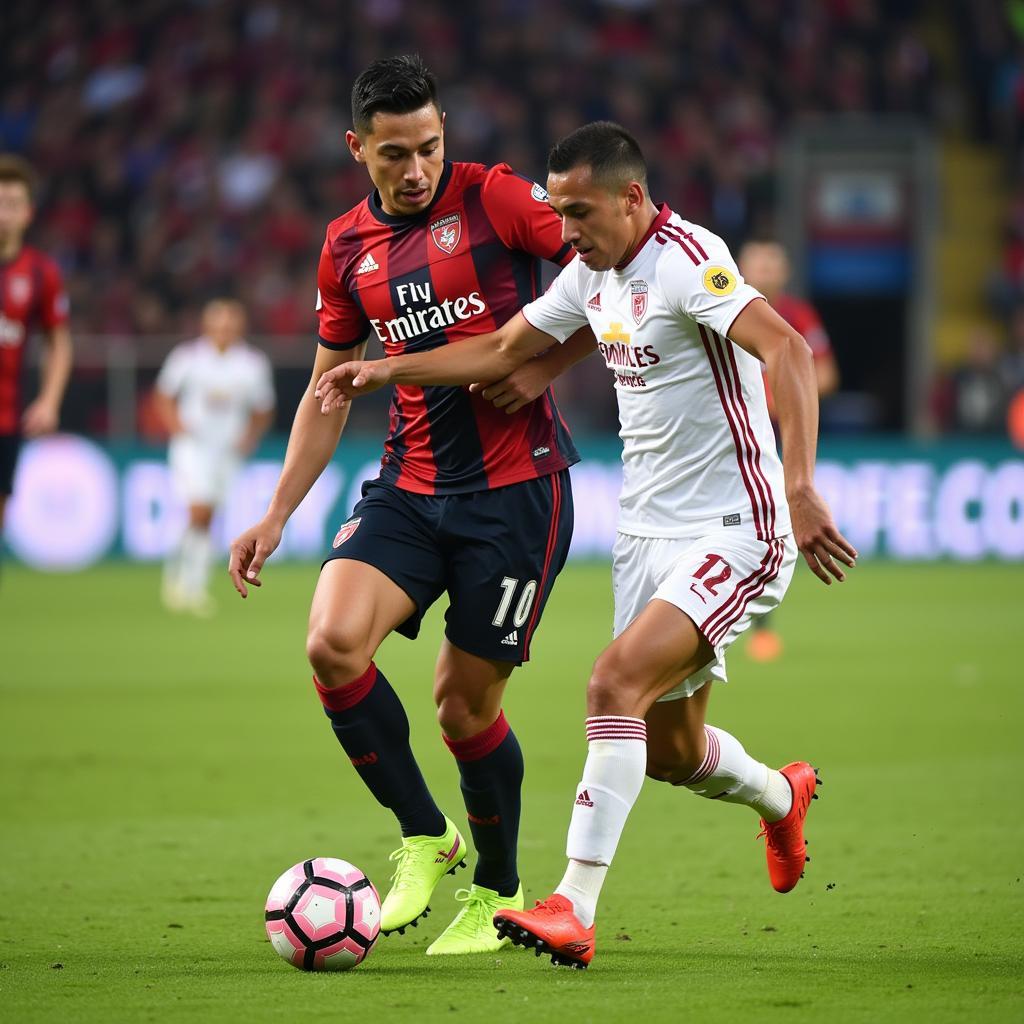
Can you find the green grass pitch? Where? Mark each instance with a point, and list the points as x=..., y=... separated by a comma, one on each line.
x=157, y=774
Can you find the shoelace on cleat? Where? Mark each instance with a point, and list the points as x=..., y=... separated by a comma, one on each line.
x=767, y=836
x=401, y=856
x=475, y=914
x=544, y=907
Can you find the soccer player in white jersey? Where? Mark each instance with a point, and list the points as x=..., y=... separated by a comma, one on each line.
x=709, y=526
x=215, y=395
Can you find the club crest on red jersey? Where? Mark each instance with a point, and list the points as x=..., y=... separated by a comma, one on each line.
x=19, y=289
x=639, y=290
x=447, y=232
x=346, y=531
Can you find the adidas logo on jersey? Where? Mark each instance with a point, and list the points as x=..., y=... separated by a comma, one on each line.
x=512, y=640
x=583, y=800
x=595, y=302
x=368, y=265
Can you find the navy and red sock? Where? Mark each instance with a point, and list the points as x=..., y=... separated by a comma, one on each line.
x=371, y=725
x=491, y=777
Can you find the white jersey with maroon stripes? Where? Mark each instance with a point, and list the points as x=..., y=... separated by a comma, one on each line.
x=698, y=447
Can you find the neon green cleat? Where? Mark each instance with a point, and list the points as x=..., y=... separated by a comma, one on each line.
x=472, y=931
x=422, y=862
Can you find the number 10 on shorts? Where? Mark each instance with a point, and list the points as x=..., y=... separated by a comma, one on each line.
x=509, y=586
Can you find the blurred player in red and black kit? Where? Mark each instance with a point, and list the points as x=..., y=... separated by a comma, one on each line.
x=765, y=265
x=473, y=496
x=31, y=298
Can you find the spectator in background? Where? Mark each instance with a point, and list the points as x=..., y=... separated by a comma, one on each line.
x=191, y=132
x=974, y=396
x=216, y=398
x=765, y=265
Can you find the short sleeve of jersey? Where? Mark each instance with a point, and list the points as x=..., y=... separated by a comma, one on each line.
x=701, y=281
x=53, y=305
x=171, y=378
x=518, y=209
x=342, y=324
x=560, y=311
x=262, y=398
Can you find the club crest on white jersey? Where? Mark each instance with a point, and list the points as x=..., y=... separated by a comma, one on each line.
x=639, y=292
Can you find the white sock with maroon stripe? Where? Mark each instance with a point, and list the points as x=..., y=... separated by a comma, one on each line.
x=612, y=779
x=729, y=773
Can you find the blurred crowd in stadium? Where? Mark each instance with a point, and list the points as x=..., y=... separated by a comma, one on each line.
x=195, y=148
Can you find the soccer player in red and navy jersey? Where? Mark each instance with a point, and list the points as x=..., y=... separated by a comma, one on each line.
x=765, y=265
x=31, y=298
x=472, y=499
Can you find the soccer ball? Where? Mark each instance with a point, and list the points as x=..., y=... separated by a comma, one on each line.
x=323, y=915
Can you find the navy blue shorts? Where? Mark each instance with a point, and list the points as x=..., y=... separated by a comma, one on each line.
x=10, y=444
x=496, y=553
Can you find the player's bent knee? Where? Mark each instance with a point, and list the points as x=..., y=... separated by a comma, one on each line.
x=337, y=656
x=461, y=718
x=612, y=688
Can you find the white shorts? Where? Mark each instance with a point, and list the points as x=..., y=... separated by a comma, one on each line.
x=721, y=580
x=202, y=474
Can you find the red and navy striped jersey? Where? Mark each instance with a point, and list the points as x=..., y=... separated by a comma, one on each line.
x=31, y=297
x=463, y=267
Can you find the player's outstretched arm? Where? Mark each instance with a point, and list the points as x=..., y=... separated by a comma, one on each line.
x=530, y=380
x=311, y=444
x=485, y=357
x=790, y=366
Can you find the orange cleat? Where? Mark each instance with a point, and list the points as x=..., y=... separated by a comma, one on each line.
x=786, y=848
x=550, y=927
x=764, y=645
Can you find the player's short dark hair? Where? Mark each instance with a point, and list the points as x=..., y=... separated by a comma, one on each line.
x=612, y=154
x=15, y=169
x=392, y=85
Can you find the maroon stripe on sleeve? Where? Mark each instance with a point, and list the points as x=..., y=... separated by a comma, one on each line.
x=726, y=399
x=754, y=449
x=672, y=233
x=686, y=240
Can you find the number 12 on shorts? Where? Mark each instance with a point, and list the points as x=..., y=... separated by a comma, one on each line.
x=711, y=582
x=509, y=586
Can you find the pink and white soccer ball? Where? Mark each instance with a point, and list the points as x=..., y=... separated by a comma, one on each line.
x=323, y=915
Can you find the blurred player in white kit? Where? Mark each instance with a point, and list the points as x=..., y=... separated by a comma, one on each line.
x=215, y=395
